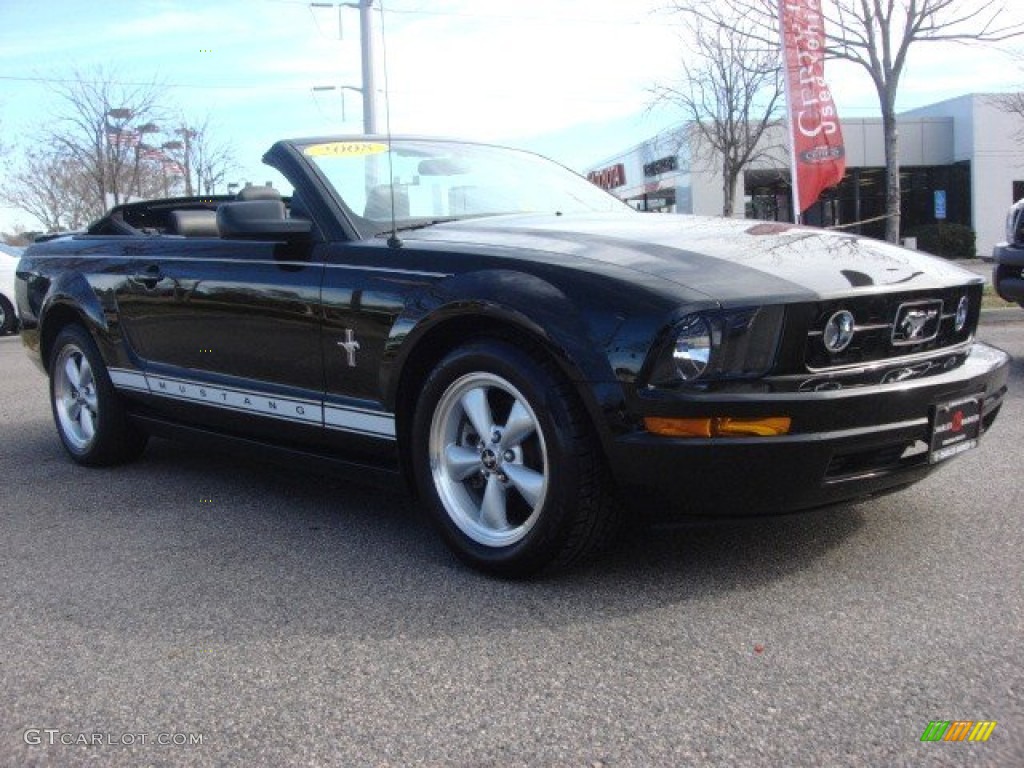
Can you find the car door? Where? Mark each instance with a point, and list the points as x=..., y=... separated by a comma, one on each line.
x=228, y=333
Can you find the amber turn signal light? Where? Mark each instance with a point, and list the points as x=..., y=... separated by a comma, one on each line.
x=718, y=426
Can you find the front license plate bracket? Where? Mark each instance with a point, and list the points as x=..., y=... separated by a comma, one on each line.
x=956, y=427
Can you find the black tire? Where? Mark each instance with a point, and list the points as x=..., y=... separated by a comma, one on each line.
x=8, y=318
x=90, y=418
x=532, y=494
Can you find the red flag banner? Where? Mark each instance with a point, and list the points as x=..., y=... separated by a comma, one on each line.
x=818, y=155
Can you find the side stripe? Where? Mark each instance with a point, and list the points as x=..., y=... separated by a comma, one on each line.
x=353, y=420
x=128, y=380
x=302, y=411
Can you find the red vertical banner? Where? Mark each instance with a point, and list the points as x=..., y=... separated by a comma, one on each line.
x=818, y=156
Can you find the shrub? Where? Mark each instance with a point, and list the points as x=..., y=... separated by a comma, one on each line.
x=946, y=239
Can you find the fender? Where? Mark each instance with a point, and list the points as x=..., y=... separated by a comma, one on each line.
x=530, y=304
x=516, y=298
x=71, y=290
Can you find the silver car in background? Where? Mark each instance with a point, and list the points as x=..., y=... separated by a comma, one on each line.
x=9, y=256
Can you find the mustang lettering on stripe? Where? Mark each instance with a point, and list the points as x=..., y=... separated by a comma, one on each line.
x=334, y=416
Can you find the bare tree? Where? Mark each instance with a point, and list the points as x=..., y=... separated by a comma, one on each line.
x=204, y=161
x=877, y=35
x=55, y=189
x=1012, y=103
x=60, y=191
x=213, y=162
x=103, y=145
x=99, y=125
x=730, y=91
x=19, y=236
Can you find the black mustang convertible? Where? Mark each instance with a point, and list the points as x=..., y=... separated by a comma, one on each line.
x=530, y=354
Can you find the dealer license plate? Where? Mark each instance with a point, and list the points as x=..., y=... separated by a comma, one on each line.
x=955, y=428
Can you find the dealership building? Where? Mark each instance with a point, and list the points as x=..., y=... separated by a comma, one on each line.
x=960, y=161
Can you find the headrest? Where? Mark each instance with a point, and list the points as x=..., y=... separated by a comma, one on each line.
x=193, y=223
x=258, y=193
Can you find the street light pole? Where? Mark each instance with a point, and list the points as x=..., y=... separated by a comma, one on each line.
x=186, y=133
x=111, y=159
x=340, y=89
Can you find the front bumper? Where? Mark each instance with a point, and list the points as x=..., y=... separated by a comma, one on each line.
x=1008, y=272
x=845, y=444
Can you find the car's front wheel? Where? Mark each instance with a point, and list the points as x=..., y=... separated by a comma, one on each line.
x=90, y=418
x=508, y=462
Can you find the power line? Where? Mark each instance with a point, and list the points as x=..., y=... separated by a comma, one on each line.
x=209, y=86
x=533, y=18
x=489, y=93
x=541, y=19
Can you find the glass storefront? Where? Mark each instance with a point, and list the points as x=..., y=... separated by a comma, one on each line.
x=860, y=197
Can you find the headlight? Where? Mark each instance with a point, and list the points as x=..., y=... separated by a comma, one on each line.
x=692, y=350
x=719, y=345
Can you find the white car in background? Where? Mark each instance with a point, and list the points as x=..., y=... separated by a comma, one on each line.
x=9, y=256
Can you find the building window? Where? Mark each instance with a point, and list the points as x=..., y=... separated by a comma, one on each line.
x=861, y=197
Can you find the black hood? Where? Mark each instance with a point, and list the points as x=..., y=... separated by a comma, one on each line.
x=730, y=260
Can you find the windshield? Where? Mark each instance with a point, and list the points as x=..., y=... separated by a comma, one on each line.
x=443, y=180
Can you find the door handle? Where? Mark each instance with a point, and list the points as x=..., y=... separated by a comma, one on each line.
x=149, y=276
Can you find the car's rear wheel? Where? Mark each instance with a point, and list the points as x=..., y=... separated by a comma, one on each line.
x=8, y=319
x=508, y=462
x=90, y=418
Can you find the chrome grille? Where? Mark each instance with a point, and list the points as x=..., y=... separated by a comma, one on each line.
x=885, y=326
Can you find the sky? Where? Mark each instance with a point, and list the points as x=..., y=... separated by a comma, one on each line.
x=570, y=79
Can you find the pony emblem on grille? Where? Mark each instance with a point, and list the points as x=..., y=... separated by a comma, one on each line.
x=917, y=322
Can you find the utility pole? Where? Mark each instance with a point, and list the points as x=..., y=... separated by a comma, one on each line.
x=368, y=90
x=366, y=44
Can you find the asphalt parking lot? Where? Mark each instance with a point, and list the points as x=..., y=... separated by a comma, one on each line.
x=196, y=609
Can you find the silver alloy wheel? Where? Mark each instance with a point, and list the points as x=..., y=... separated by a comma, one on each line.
x=488, y=459
x=75, y=399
